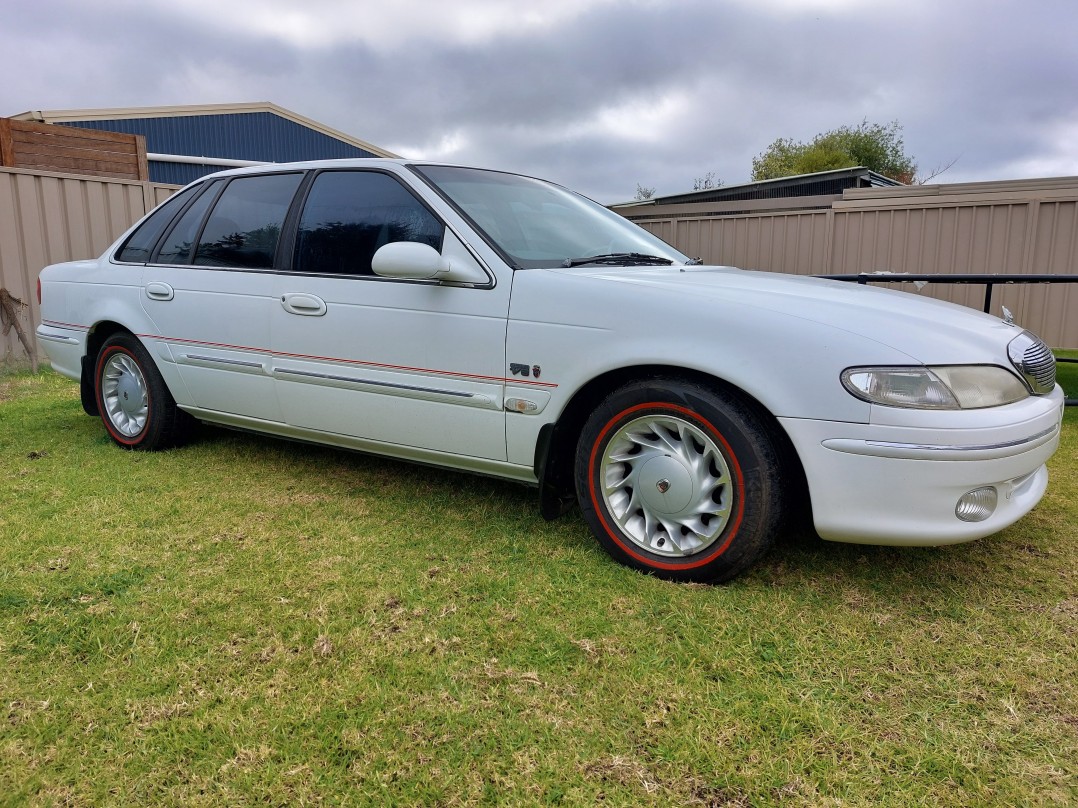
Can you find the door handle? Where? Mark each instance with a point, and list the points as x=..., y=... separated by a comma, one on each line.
x=155, y=290
x=300, y=303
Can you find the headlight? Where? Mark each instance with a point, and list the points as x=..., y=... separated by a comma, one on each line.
x=957, y=387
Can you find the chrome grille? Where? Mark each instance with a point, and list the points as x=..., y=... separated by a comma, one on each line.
x=1034, y=360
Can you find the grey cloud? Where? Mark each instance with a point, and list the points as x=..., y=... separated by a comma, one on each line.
x=985, y=82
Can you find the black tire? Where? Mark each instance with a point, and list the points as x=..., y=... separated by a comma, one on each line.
x=136, y=407
x=679, y=480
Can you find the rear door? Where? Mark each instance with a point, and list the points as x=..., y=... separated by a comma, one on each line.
x=210, y=289
x=401, y=363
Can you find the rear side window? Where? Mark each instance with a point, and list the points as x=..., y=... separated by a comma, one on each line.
x=245, y=225
x=350, y=214
x=140, y=243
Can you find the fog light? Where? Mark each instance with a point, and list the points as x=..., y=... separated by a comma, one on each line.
x=977, y=505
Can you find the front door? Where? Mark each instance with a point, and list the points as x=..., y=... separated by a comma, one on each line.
x=398, y=363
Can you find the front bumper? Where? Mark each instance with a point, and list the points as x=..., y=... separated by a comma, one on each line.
x=899, y=484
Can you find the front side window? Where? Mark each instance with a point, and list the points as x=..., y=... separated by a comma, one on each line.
x=245, y=225
x=350, y=214
x=140, y=244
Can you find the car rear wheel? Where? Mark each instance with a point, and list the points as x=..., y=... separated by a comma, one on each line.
x=679, y=480
x=136, y=407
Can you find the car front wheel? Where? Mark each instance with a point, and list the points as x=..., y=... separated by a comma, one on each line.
x=679, y=480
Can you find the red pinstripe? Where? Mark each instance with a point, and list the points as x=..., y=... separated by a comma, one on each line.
x=365, y=363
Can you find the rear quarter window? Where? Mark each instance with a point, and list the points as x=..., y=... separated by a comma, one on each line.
x=177, y=244
x=139, y=245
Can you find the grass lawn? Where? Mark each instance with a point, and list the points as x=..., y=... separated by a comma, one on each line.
x=252, y=621
x=1067, y=373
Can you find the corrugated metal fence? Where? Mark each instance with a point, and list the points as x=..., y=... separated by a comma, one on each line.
x=46, y=218
x=1021, y=226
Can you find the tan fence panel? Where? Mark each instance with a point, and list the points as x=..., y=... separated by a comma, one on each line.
x=666, y=229
x=1028, y=227
x=1027, y=238
x=1054, y=250
x=977, y=239
x=159, y=193
x=784, y=242
x=796, y=243
x=46, y=218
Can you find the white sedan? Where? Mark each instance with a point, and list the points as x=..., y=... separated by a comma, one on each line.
x=506, y=326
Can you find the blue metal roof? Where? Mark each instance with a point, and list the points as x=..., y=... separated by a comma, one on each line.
x=239, y=136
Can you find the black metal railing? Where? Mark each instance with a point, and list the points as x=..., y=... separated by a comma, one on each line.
x=990, y=282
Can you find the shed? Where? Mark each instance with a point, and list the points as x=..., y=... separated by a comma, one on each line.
x=184, y=143
x=816, y=190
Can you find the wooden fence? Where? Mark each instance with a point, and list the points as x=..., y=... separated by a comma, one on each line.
x=70, y=150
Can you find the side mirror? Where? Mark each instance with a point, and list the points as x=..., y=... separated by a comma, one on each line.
x=410, y=260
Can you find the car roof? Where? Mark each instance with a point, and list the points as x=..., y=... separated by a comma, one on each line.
x=304, y=165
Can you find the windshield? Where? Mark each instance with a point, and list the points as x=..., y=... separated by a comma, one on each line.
x=537, y=224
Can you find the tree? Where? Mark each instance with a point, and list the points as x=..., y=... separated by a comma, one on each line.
x=706, y=182
x=643, y=193
x=9, y=318
x=875, y=146
x=932, y=173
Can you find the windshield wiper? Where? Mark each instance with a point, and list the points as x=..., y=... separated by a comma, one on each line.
x=624, y=258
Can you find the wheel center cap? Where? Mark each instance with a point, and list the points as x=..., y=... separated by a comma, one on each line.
x=665, y=484
x=128, y=390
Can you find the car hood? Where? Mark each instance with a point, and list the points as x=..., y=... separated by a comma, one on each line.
x=930, y=331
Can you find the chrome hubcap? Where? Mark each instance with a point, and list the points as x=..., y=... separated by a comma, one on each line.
x=123, y=391
x=667, y=485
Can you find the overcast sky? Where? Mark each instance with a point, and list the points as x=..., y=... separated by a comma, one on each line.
x=596, y=94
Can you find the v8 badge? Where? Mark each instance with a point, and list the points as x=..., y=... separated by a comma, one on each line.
x=521, y=369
